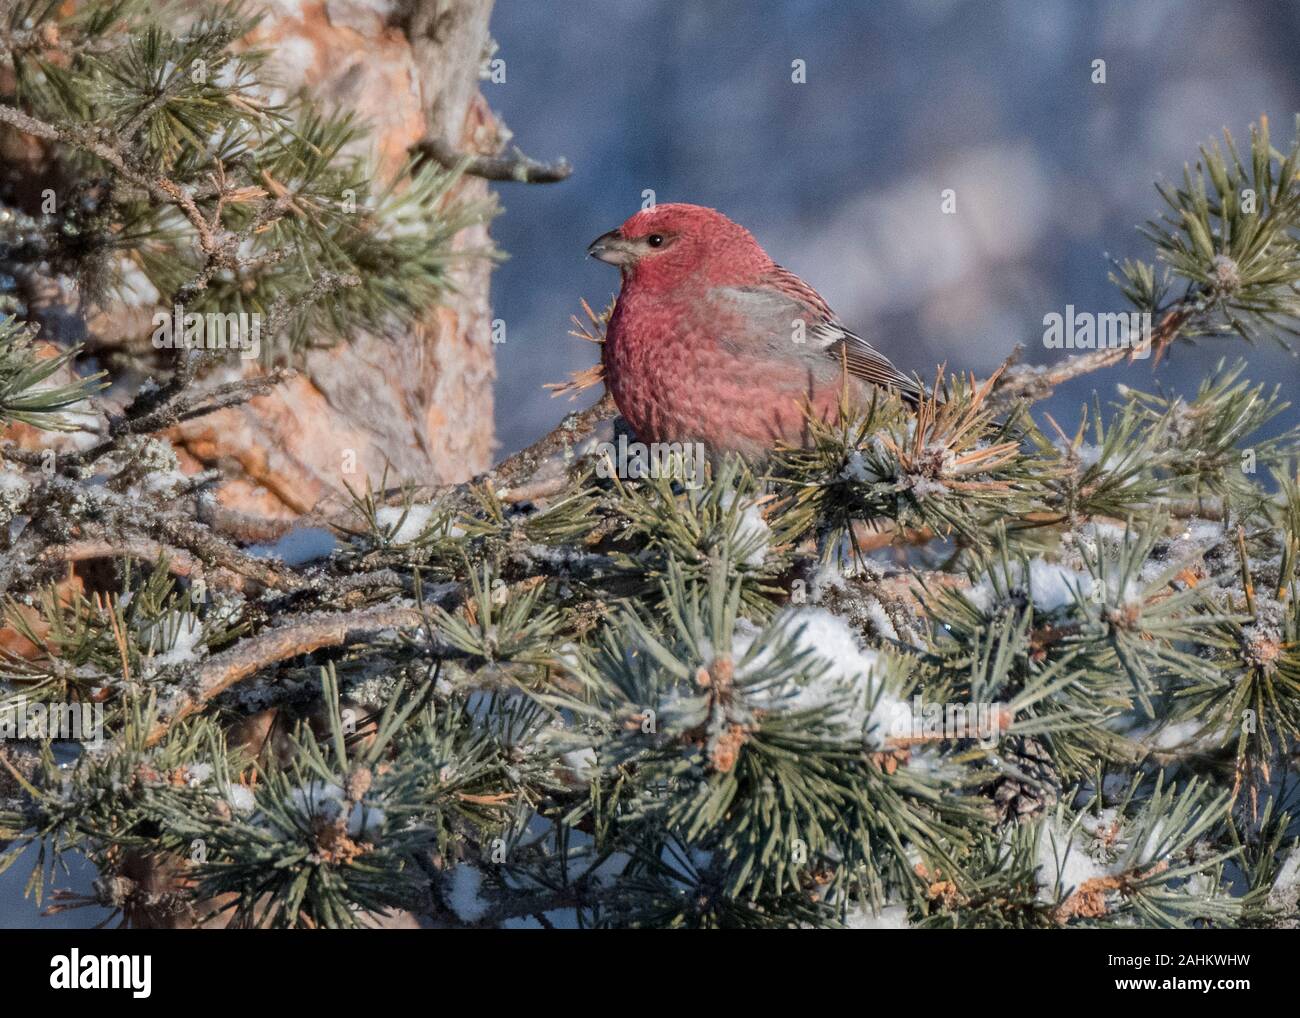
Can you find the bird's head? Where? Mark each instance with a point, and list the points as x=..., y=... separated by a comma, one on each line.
x=667, y=245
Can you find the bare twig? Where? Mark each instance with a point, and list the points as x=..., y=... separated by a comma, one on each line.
x=181, y=407
x=303, y=636
x=284, y=306
x=179, y=562
x=1034, y=383
x=515, y=166
x=196, y=538
x=121, y=519
x=576, y=426
x=240, y=526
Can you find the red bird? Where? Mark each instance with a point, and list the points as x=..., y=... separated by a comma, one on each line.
x=711, y=341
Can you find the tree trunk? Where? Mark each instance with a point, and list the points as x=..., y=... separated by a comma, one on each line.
x=420, y=406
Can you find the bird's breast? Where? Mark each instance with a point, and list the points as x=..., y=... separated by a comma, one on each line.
x=681, y=376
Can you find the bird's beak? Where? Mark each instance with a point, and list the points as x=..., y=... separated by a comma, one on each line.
x=611, y=247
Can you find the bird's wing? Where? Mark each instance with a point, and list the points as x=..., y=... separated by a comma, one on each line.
x=784, y=296
x=784, y=281
x=862, y=359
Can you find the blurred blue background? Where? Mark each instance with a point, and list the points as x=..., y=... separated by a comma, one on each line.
x=840, y=178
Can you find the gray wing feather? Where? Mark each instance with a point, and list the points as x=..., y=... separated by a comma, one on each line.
x=824, y=337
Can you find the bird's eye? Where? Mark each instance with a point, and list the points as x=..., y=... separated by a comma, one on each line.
x=655, y=239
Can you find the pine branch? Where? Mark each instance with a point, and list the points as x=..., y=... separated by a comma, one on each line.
x=302, y=636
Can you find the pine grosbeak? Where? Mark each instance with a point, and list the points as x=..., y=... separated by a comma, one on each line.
x=713, y=342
